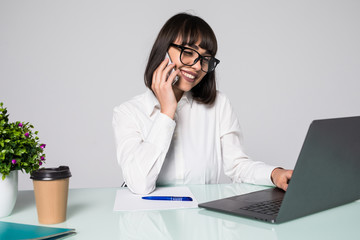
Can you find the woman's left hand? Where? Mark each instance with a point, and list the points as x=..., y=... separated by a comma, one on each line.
x=281, y=177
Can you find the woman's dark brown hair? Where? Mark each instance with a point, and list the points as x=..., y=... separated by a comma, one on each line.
x=190, y=29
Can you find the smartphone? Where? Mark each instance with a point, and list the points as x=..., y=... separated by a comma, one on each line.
x=170, y=62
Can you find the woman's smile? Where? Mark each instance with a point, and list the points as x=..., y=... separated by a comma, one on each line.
x=188, y=76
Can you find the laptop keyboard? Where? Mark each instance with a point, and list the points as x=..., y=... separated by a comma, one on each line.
x=268, y=207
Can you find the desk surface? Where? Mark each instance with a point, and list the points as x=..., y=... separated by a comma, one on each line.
x=90, y=212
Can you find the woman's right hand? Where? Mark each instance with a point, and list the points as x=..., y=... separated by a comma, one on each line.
x=162, y=87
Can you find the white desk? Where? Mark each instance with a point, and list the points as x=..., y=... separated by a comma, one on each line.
x=90, y=212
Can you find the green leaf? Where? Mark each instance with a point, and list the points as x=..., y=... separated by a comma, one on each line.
x=14, y=145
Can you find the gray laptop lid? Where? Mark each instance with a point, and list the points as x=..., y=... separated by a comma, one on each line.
x=327, y=173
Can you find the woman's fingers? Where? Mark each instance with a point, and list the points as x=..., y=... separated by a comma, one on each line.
x=158, y=73
x=281, y=177
x=162, y=87
x=162, y=75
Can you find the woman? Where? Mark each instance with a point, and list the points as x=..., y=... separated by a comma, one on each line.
x=184, y=131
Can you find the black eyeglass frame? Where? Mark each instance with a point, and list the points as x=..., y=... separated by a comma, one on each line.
x=200, y=57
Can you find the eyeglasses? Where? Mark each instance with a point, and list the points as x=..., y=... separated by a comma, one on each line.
x=190, y=57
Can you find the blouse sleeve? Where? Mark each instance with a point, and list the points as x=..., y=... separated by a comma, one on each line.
x=141, y=157
x=237, y=165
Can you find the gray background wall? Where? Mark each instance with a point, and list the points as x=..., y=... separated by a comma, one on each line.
x=65, y=64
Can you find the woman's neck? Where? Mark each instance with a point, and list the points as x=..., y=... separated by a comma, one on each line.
x=178, y=94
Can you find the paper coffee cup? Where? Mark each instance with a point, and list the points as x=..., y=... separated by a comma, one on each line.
x=51, y=187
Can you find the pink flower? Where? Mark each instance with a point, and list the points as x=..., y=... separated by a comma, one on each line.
x=42, y=146
x=40, y=163
x=20, y=125
x=42, y=158
x=27, y=134
x=13, y=161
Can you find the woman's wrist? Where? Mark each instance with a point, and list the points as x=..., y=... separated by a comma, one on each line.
x=274, y=172
x=169, y=112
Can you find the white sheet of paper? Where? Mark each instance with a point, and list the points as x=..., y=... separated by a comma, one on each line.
x=127, y=201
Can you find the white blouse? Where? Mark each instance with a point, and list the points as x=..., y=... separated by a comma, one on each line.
x=191, y=149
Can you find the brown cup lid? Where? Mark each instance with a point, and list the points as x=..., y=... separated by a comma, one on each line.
x=48, y=174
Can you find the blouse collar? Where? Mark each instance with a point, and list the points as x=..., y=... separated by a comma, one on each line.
x=152, y=103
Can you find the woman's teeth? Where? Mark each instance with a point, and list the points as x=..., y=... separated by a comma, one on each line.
x=188, y=75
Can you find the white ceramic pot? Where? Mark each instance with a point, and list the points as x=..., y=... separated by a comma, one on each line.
x=8, y=193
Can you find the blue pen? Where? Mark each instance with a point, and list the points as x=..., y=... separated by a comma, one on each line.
x=167, y=198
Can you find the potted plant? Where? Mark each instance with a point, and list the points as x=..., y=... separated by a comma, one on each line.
x=19, y=150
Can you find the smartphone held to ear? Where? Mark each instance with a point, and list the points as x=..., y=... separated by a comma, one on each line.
x=170, y=62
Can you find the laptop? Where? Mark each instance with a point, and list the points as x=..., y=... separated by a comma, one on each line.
x=326, y=175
